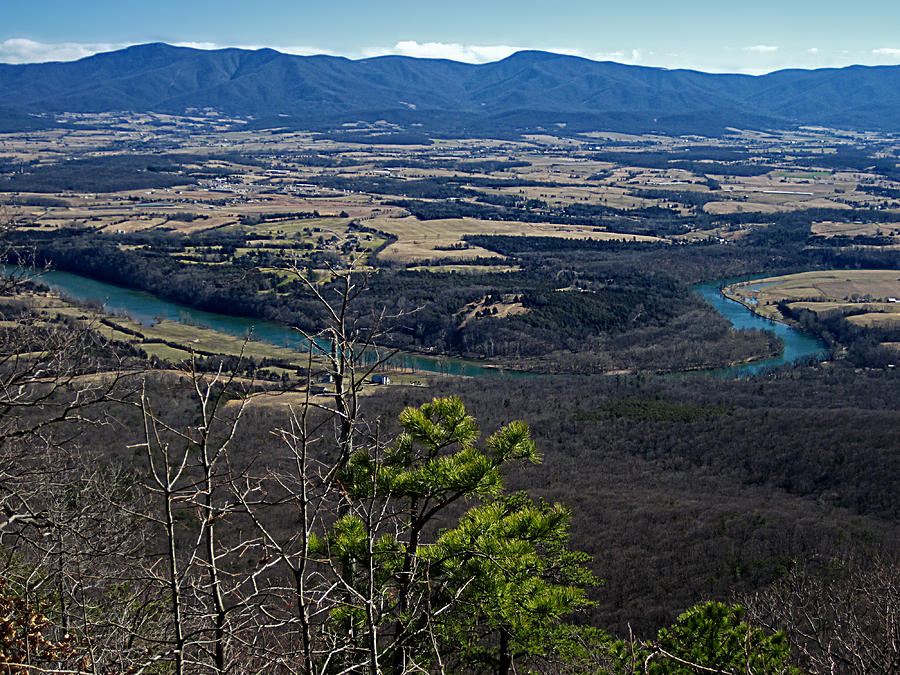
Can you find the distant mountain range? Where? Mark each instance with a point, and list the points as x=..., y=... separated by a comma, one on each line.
x=525, y=92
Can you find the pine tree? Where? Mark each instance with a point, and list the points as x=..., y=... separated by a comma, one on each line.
x=493, y=588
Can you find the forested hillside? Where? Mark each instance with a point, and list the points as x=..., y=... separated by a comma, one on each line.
x=523, y=92
x=385, y=397
x=195, y=522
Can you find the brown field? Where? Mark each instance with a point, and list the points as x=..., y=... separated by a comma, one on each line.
x=785, y=191
x=829, y=286
x=826, y=286
x=832, y=229
x=425, y=239
x=887, y=318
x=462, y=268
x=567, y=162
x=827, y=293
x=773, y=203
x=873, y=313
x=614, y=196
x=508, y=307
x=719, y=208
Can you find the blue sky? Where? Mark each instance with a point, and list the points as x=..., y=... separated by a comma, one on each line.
x=751, y=36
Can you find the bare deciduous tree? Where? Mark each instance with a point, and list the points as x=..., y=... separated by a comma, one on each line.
x=842, y=616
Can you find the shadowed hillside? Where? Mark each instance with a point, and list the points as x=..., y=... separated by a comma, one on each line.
x=549, y=89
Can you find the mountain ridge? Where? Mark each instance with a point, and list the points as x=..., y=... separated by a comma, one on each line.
x=157, y=77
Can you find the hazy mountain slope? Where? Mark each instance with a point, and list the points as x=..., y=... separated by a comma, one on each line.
x=263, y=83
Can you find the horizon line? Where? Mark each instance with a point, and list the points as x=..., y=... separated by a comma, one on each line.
x=80, y=51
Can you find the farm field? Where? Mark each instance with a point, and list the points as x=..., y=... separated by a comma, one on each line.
x=853, y=229
x=436, y=239
x=866, y=297
x=576, y=257
x=168, y=340
x=156, y=202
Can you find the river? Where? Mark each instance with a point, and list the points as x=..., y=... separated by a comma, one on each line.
x=147, y=309
x=798, y=346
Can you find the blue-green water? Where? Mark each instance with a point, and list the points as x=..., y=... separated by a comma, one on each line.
x=797, y=346
x=148, y=309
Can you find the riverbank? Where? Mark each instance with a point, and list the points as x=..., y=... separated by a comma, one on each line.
x=752, y=304
x=869, y=298
x=146, y=309
x=798, y=346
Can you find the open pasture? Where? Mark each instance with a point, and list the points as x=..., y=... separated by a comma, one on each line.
x=767, y=194
x=737, y=206
x=613, y=196
x=434, y=239
x=888, y=318
x=869, y=296
x=823, y=286
x=849, y=229
x=168, y=340
x=463, y=268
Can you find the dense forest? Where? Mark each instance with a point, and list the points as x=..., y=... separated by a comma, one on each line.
x=579, y=313
x=605, y=508
x=704, y=487
x=174, y=530
x=585, y=305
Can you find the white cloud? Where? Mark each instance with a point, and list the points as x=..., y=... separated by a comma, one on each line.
x=489, y=53
x=23, y=50
x=887, y=55
x=755, y=59
x=455, y=51
x=297, y=50
x=446, y=50
x=198, y=45
x=606, y=56
x=303, y=50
